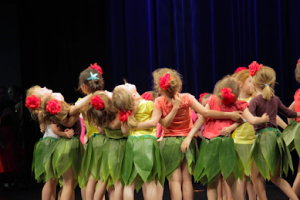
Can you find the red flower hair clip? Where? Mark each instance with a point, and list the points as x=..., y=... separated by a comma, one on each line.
x=254, y=67
x=298, y=62
x=164, y=81
x=32, y=102
x=201, y=96
x=227, y=96
x=147, y=96
x=53, y=106
x=240, y=69
x=123, y=115
x=97, y=103
x=96, y=67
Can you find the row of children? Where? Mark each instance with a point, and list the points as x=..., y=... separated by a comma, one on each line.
x=120, y=151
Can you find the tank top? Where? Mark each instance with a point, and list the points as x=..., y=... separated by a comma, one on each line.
x=49, y=132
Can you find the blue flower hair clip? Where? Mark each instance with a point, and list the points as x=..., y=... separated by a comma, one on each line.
x=93, y=76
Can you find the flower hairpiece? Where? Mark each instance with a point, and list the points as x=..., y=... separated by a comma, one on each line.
x=201, y=96
x=164, y=81
x=93, y=76
x=147, y=96
x=298, y=62
x=240, y=69
x=32, y=102
x=53, y=106
x=97, y=103
x=227, y=96
x=123, y=115
x=96, y=67
x=254, y=67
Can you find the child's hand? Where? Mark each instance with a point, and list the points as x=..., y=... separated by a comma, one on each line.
x=265, y=117
x=42, y=128
x=185, y=145
x=160, y=139
x=236, y=115
x=199, y=134
x=176, y=101
x=225, y=131
x=85, y=139
x=69, y=132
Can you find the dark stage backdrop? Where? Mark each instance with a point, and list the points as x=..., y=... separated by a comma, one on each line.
x=203, y=40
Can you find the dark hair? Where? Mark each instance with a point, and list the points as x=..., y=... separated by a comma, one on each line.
x=92, y=85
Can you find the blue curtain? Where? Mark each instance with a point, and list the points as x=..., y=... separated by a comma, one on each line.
x=203, y=40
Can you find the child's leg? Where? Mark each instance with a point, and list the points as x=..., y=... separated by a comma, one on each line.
x=128, y=193
x=231, y=187
x=116, y=193
x=282, y=184
x=59, y=193
x=150, y=190
x=212, y=193
x=175, y=184
x=160, y=191
x=258, y=183
x=53, y=189
x=83, y=193
x=242, y=185
x=100, y=191
x=90, y=188
x=219, y=188
x=68, y=185
x=47, y=192
x=187, y=186
x=228, y=191
x=251, y=191
x=296, y=184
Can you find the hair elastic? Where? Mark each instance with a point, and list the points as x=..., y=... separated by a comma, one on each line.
x=267, y=85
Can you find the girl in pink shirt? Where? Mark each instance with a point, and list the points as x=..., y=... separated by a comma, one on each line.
x=179, y=166
x=217, y=154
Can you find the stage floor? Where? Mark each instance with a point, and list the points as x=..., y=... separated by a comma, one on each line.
x=34, y=193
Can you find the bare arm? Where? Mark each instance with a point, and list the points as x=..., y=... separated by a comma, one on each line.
x=68, y=133
x=292, y=107
x=196, y=106
x=280, y=122
x=70, y=121
x=116, y=123
x=227, y=130
x=255, y=120
x=79, y=105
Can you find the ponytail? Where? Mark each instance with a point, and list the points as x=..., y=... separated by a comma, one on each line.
x=267, y=92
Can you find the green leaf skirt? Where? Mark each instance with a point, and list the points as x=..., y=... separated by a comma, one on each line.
x=42, y=159
x=267, y=150
x=291, y=136
x=142, y=161
x=243, y=152
x=172, y=155
x=216, y=156
x=91, y=161
x=68, y=153
x=112, y=160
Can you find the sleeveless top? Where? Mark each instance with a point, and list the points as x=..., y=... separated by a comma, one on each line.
x=49, y=132
x=297, y=103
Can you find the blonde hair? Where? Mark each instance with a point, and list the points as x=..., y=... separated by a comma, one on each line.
x=227, y=82
x=123, y=100
x=175, y=82
x=47, y=117
x=102, y=117
x=297, y=72
x=242, y=76
x=265, y=79
x=33, y=91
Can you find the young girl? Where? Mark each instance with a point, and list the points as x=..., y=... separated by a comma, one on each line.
x=291, y=133
x=90, y=81
x=268, y=161
x=103, y=114
x=179, y=167
x=217, y=154
x=143, y=165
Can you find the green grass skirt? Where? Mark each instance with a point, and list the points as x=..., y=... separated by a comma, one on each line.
x=267, y=150
x=142, y=160
x=68, y=153
x=172, y=155
x=216, y=156
x=291, y=136
x=42, y=159
x=91, y=161
x=112, y=160
x=243, y=152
